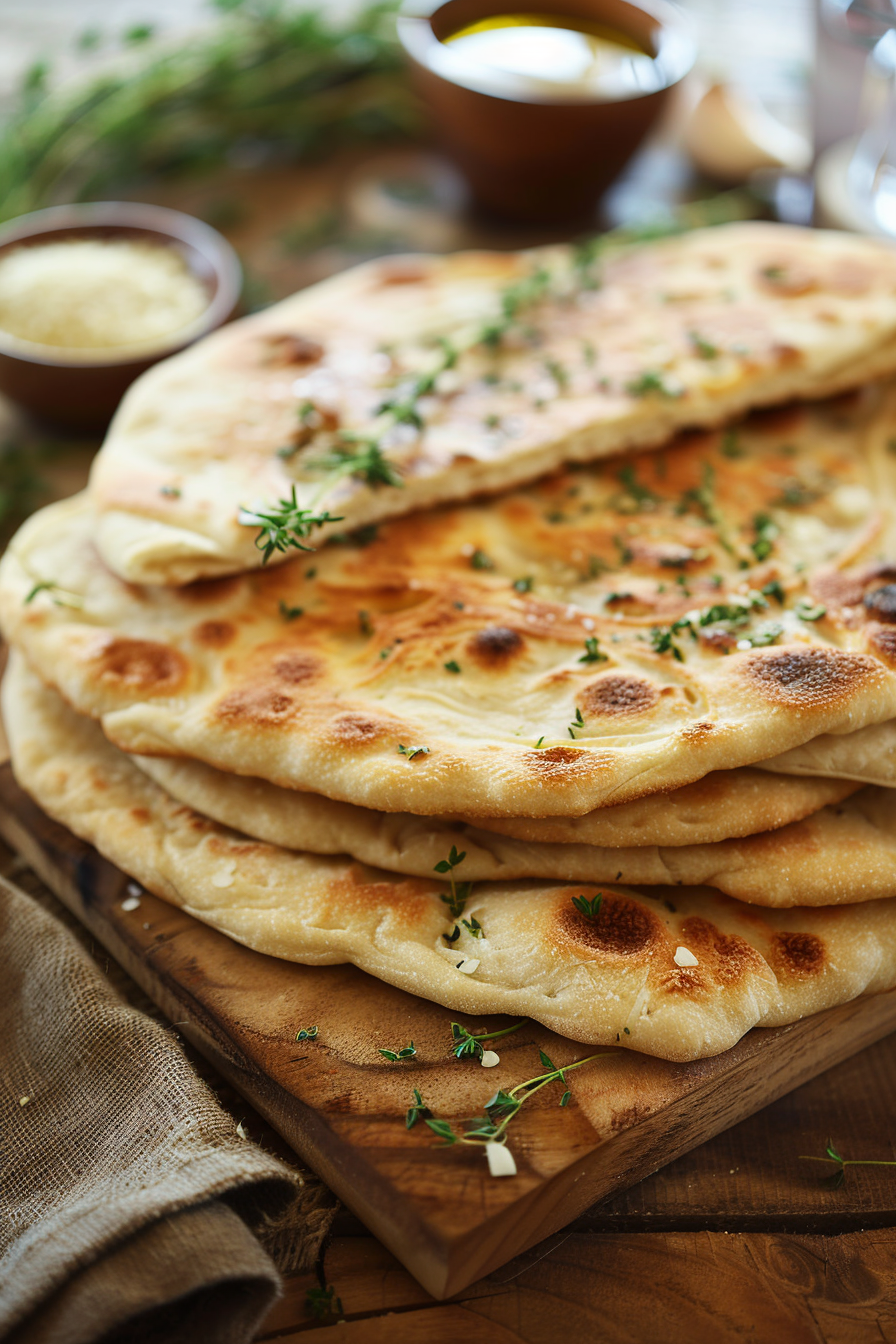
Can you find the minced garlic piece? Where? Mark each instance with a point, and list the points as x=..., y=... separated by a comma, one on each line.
x=684, y=957
x=87, y=294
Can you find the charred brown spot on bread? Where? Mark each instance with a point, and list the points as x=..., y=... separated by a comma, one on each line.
x=214, y=634
x=797, y=954
x=495, y=646
x=560, y=764
x=141, y=665
x=292, y=348
x=619, y=693
x=881, y=603
x=352, y=730
x=786, y=278
x=699, y=731
x=623, y=927
x=402, y=273
x=728, y=956
x=882, y=642
x=141, y=815
x=296, y=667
x=259, y=706
x=808, y=678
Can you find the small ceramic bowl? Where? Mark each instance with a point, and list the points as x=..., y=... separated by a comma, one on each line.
x=79, y=390
x=547, y=155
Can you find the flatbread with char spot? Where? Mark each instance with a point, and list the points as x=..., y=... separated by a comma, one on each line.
x=604, y=635
x=690, y=331
x=679, y=978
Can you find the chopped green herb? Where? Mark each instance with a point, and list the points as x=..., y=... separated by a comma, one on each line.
x=473, y=926
x=626, y=554
x=641, y=496
x=767, y=531
x=364, y=623
x=290, y=613
x=492, y=421
x=588, y=907
x=418, y=1111
x=523, y=585
x=323, y=1302
x=412, y=752
x=653, y=383
x=364, y=460
x=307, y=1034
x=592, y=652
x=577, y=723
x=406, y=1052
x=705, y=349
x=730, y=447
x=807, y=611
x=452, y=666
x=661, y=641
x=555, y=370
x=774, y=589
x=479, y=560
x=170, y=491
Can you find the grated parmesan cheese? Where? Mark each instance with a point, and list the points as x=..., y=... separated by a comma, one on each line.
x=87, y=294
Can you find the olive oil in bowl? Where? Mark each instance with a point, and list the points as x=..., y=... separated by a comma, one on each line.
x=551, y=51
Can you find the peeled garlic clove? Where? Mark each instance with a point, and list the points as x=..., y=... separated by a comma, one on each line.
x=500, y=1160
x=729, y=136
x=489, y=1059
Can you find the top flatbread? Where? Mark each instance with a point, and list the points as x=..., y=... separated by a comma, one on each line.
x=686, y=332
x=609, y=633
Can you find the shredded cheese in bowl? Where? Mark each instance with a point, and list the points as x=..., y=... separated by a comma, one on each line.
x=92, y=298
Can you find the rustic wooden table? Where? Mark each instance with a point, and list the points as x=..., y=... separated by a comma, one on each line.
x=738, y=1239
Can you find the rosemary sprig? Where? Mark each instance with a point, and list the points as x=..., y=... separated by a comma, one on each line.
x=592, y=652
x=835, y=1181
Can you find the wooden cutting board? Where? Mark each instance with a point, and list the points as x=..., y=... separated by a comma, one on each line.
x=342, y=1106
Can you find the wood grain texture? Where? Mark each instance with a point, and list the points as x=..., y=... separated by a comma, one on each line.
x=651, y=1288
x=341, y=1105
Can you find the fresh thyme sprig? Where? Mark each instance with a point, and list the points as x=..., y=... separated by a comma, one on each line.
x=307, y=1034
x=503, y=1107
x=458, y=895
x=323, y=1302
x=835, y=1181
x=468, y=1044
x=285, y=525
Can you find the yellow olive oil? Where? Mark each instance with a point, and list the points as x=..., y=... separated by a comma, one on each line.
x=549, y=48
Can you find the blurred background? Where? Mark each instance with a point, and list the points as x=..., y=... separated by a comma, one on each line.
x=306, y=135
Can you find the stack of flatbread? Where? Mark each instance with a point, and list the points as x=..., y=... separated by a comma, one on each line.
x=521, y=628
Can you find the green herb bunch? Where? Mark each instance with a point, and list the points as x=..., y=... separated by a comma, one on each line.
x=265, y=74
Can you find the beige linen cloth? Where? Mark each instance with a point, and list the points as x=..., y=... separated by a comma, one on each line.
x=127, y=1198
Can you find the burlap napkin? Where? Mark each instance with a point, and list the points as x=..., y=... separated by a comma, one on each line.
x=127, y=1197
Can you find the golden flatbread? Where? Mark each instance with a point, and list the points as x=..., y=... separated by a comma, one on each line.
x=680, y=978
x=493, y=369
x=606, y=634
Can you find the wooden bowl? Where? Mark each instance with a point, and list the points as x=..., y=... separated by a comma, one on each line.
x=544, y=158
x=78, y=390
